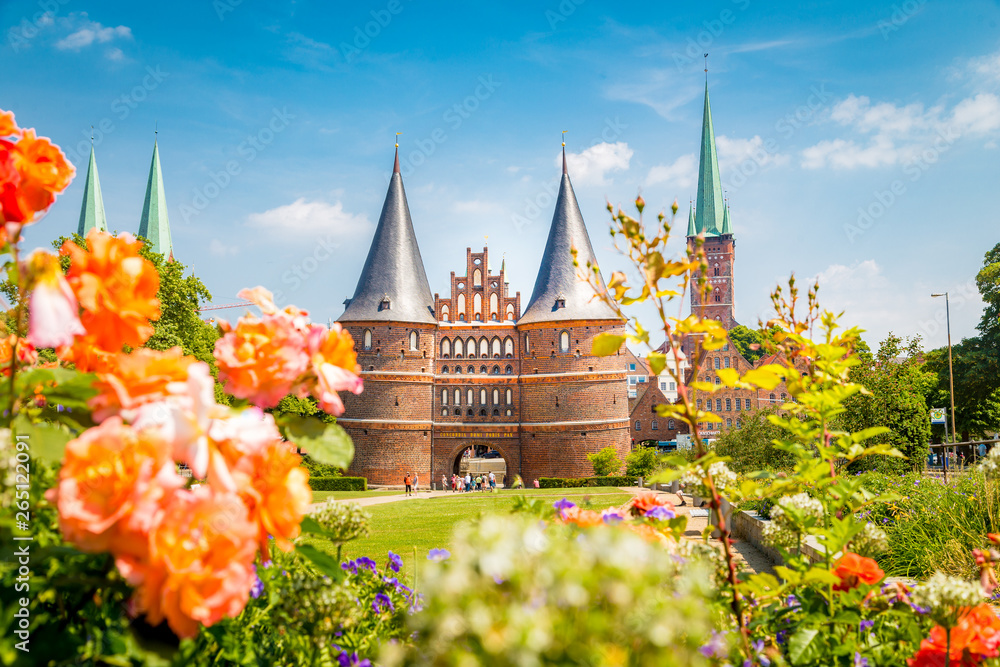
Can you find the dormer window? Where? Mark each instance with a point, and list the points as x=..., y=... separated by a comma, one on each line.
x=560, y=302
x=384, y=304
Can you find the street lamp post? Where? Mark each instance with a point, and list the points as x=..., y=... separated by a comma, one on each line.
x=951, y=374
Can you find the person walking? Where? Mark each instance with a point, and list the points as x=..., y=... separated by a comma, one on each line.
x=415, y=489
x=468, y=482
x=982, y=451
x=444, y=482
x=407, y=484
x=493, y=482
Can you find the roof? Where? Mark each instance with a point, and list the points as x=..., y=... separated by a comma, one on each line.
x=559, y=293
x=692, y=228
x=632, y=358
x=639, y=393
x=154, y=224
x=92, y=210
x=657, y=397
x=709, y=209
x=393, y=285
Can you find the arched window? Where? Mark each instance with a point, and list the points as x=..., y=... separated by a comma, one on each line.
x=718, y=381
x=739, y=424
x=469, y=413
x=527, y=344
x=699, y=404
x=654, y=425
x=482, y=397
x=510, y=312
x=444, y=313
x=470, y=348
x=727, y=362
x=729, y=404
x=747, y=404
x=496, y=370
x=444, y=397
x=509, y=412
x=772, y=398
x=716, y=269
x=367, y=339
x=472, y=370
x=461, y=317
x=564, y=341
x=508, y=348
x=469, y=395
x=444, y=412
x=459, y=348
x=414, y=340
x=444, y=370
x=477, y=305
x=783, y=397
x=496, y=413
x=496, y=396
x=729, y=423
x=496, y=348
x=461, y=307
x=670, y=424
x=509, y=370
x=484, y=348
x=445, y=348
x=477, y=278
x=717, y=363
x=458, y=370
x=509, y=395
x=718, y=405
x=482, y=369
x=482, y=412
x=458, y=398
x=739, y=403
x=494, y=306
x=638, y=425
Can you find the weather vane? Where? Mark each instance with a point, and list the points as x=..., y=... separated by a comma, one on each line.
x=564, y=138
x=397, y=139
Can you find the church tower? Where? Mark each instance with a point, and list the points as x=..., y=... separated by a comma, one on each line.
x=154, y=225
x=92, y=210
x=710, y=218
x=391, y=318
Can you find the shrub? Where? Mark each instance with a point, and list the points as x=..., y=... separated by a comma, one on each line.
x=641, y=462
x=338, y=483
x=317, y=469
x=752, y=447
x=605, y=462
x=577, y=482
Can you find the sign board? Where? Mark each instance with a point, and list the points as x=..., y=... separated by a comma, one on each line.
x=937, y=416
x=683, y=441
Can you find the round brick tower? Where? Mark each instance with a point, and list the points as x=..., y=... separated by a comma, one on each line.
x=391, y=317
x=571, y=401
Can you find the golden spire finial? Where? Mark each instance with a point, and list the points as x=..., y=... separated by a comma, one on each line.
x=397, y=139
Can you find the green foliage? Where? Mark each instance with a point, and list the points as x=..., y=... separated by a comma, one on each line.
x=977, y=398
x=897, y=385
x=580, y=482
x=605, y=462
x=317, y=469
x=338, y=483
x=744, y=338
x=752, y=447
x=641, y=462
x=324, y=442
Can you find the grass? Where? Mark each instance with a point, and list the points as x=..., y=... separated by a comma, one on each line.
x=320, y=496
x=428, y=523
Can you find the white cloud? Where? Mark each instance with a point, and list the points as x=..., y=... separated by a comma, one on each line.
x=681, y=173
x=303, y=217
x=591, y=166
x=88, y=32
x=735, y=151
x=888, y=134
x=220, y=249
x=660, y=89
x=116, y=54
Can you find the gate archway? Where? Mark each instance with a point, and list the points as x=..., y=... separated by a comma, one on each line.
x=482, y=458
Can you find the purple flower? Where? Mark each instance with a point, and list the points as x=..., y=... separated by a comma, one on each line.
x=716, y=646
x=758, y=648
x=346, y=659
x=257, y=587
x=381, y=602
x=395, y=562
x=860, y=661
x=920, y=610
x=438, y=555
x=866, y=625
x=563, y=504
x=350, y=566
x=611, y=516
x=364, y=561
x=660, y=512
x=781, y=636
x=792, y=601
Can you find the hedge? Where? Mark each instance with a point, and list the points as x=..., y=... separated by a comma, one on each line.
x=575, y=482
x=338, y=483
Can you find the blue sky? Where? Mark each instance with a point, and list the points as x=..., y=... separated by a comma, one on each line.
x=858, y=140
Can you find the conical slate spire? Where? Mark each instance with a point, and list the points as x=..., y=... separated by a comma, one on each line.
x=92, y=211
x=154, y=224
x=393, y=285
x=709, y=209
x=559, y=293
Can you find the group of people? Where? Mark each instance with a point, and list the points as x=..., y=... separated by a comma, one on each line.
x=410, y=482
x=470, y=483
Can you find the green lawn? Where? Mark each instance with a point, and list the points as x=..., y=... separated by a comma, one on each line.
x=320, y=496
x=428, y=523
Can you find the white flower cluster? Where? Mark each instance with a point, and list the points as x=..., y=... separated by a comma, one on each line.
x=870, y=541
x=991, y=464
x=943, y=595
x=723, y=477
x=784, y=531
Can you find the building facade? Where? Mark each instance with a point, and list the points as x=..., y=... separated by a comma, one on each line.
x=471, y=369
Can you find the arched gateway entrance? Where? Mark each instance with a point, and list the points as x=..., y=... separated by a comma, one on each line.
x=481, y=459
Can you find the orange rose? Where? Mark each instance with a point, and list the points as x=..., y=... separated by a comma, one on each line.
x=116, y=289
x=110, y=485
x=8, y=127
x=853, y=569
x=974, y=639
x=646, y=500
x=201, y=561
x=26, y=353
x=581, y=517
x=647, y=532
x=44, y=171
x=137, y=379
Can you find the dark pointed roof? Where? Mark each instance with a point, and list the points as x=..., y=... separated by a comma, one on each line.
x=394, y=270
x=557, y=277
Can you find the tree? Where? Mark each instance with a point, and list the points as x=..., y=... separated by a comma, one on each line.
x=605, y=462
x=743, y=338
x=751, y=447
x=898, y=386
x=641, y=462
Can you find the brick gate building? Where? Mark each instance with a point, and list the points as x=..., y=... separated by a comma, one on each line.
x=443, y=373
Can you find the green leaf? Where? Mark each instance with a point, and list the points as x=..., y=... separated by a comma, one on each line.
x=606, y=344
x=804, y=646
x=310, y=525
x=325, y=443
x=46, y=441
x=323, y=561
x=657, y=362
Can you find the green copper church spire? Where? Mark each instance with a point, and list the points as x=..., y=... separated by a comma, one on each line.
x=154, y=224
x=709, y=210
x=692, y=228
x=92, y=211
x=727, y=227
